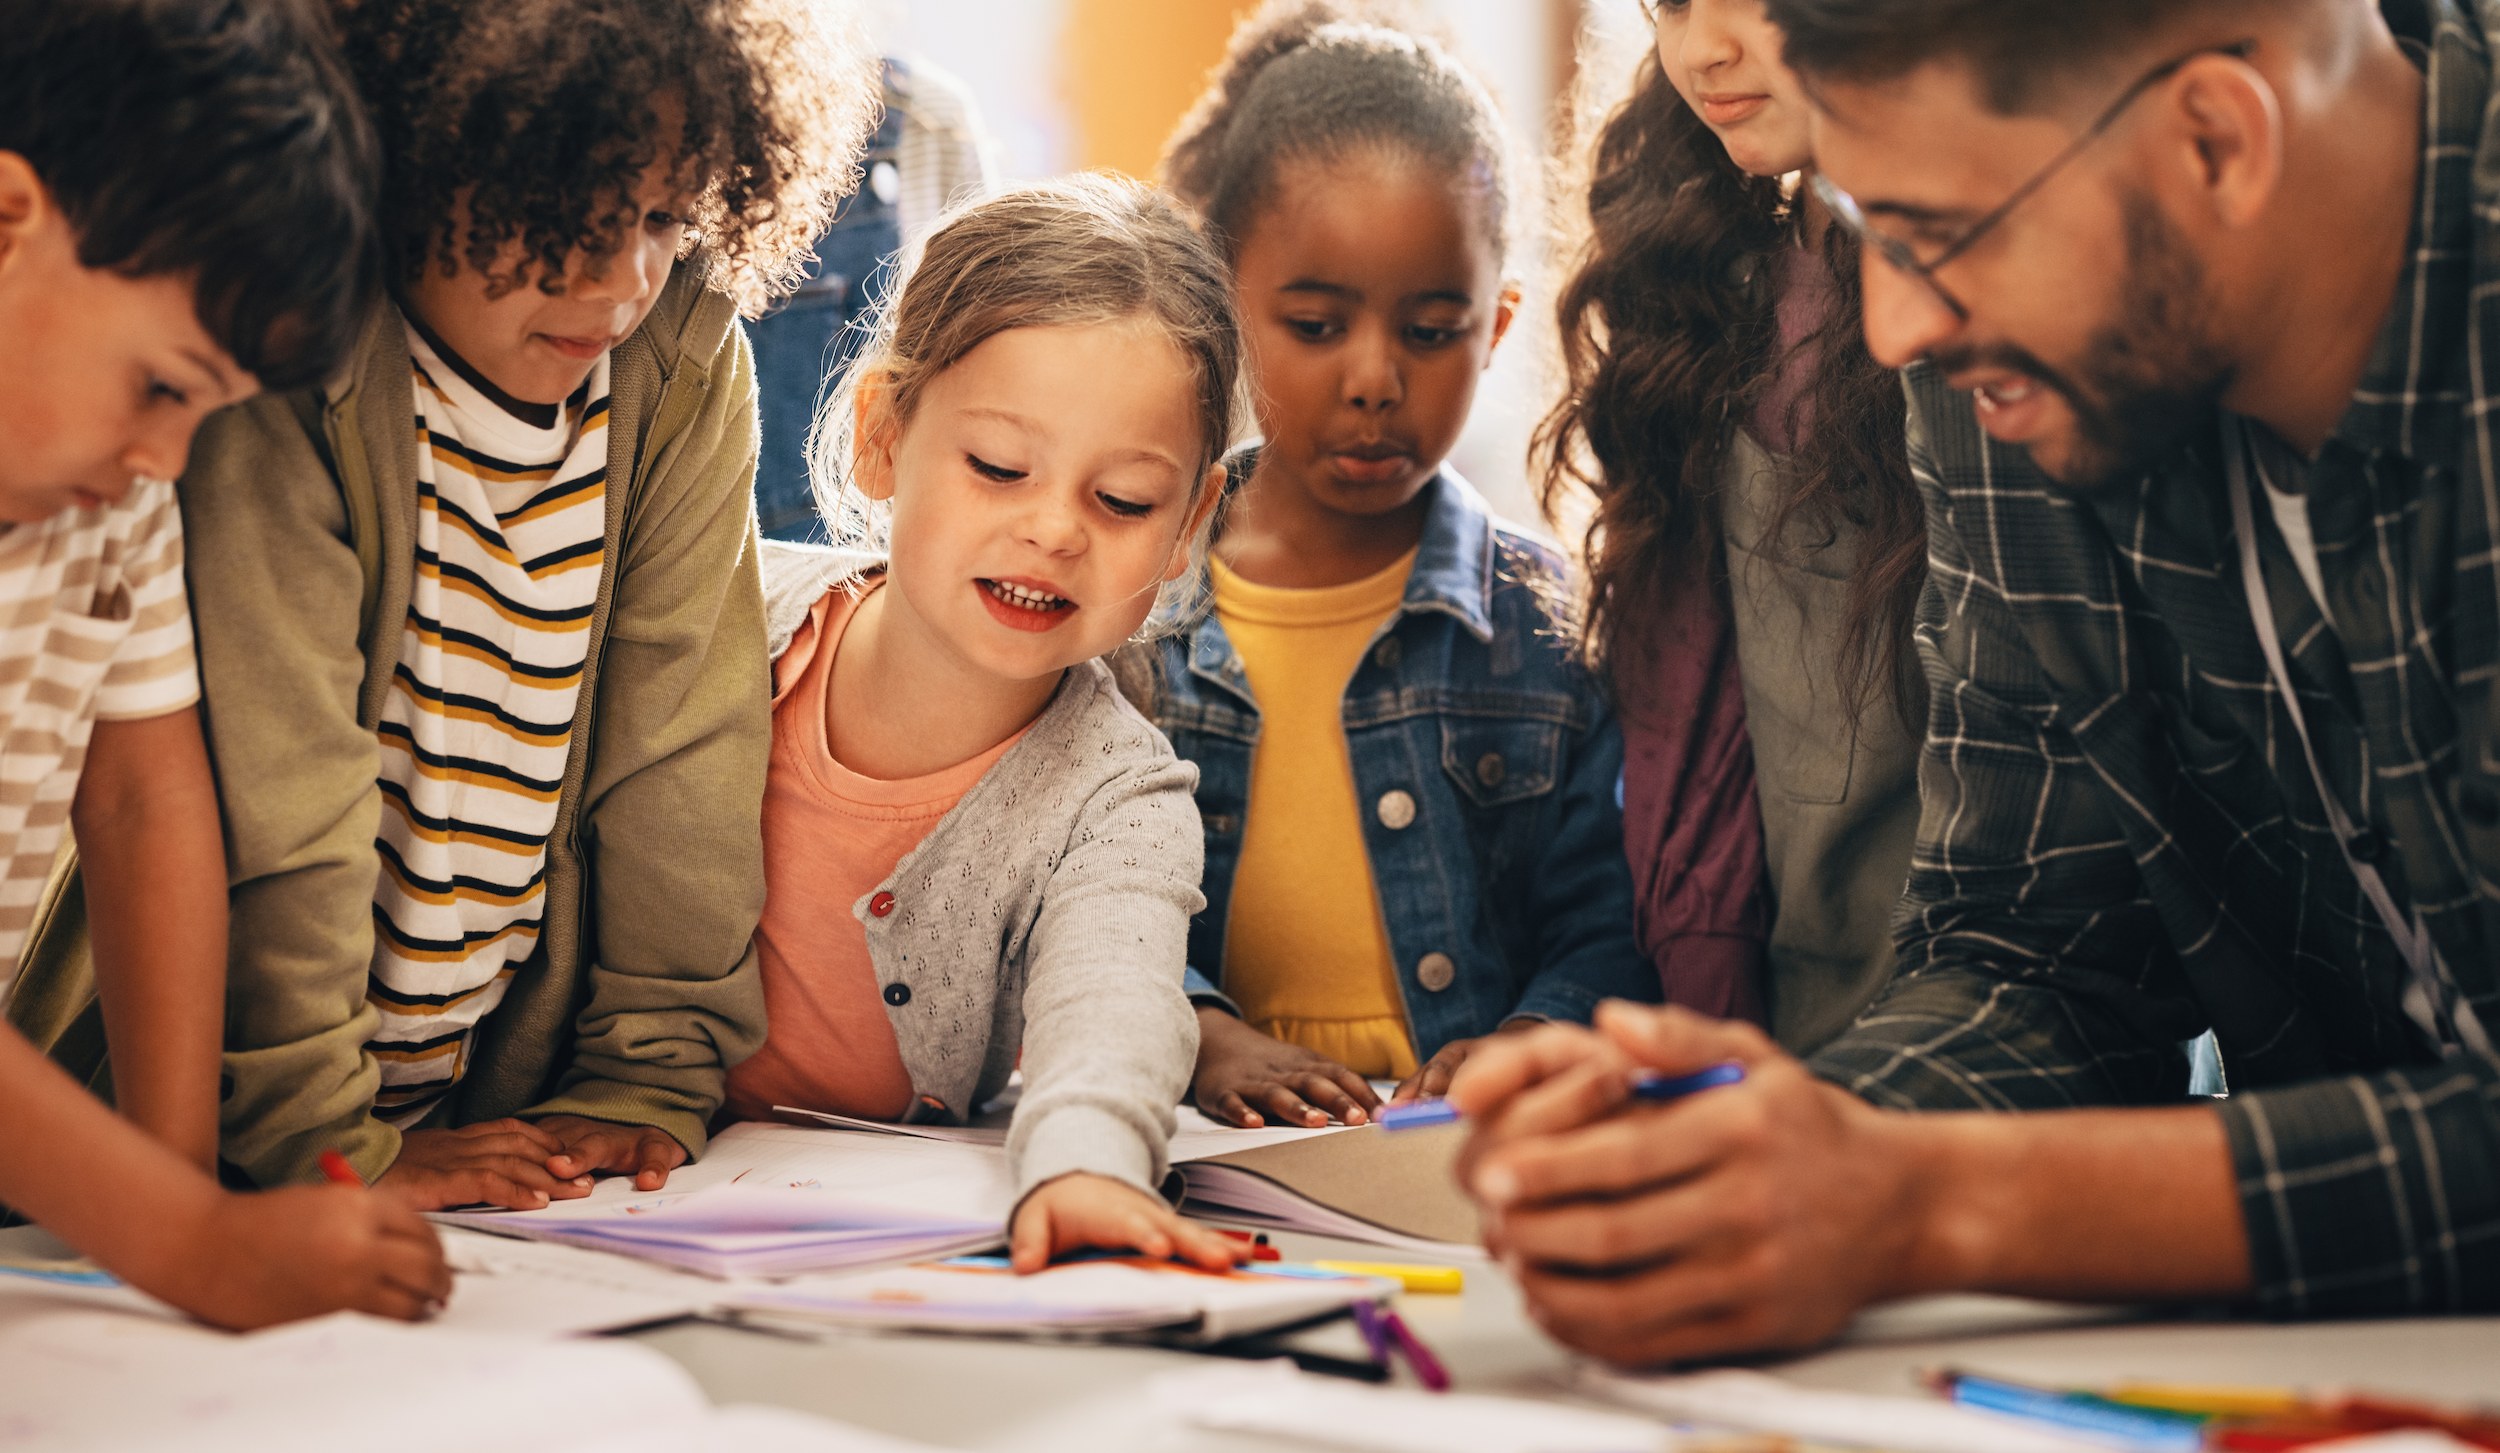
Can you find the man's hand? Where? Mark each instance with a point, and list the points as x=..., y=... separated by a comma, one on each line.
x=1757, y=1217
x=1080, y=1210
x=508, y=1163
x=587, y=1147
x=1434, y=1075
x=248, y=1261
x=1246, y=1078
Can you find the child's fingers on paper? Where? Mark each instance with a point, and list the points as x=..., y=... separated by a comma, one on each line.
x=1281, y=1105
x=1149, y=1230
x=1029, y=1239
x=1323, y=1087
x=1205, y=1247
x=495, y=1188
x=416, y=1270
x=1230, y=1108
x=658, y=1154
x=1356, y=1086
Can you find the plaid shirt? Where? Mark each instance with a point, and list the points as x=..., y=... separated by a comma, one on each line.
x=2122, y=843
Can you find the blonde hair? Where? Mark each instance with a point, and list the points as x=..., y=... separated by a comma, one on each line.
x=1087, y=249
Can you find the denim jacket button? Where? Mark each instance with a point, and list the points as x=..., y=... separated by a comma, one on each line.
x=1397, y=810
x=1386, y=654
x=1436, y=972
x=1491, y=769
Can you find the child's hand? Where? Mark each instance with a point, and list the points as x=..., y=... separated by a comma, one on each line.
x=1247, y=1079
x=587, y=1146
x=1080, y=1210
x=504, y=1163
x=1434, y=1077
x=253, y=1260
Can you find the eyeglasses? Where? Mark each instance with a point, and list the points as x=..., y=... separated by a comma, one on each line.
x=1846, y=211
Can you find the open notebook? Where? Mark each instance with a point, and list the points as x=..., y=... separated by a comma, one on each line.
x=777, y=1200
x=1108, y=1298
x=1358, y=1183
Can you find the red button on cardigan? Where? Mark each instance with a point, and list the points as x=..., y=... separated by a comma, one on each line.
x=881, y=905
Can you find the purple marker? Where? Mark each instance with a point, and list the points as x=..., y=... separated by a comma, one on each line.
x=1648, y=1085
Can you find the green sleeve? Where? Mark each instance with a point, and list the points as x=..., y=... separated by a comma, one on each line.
x=278, y=595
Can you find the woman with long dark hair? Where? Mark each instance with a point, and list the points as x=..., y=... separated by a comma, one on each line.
x=1756, y=550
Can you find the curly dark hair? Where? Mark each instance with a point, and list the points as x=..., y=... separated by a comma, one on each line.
x=1670, y=343
x=506, y=122
x=1316, y=78
x=216, y=139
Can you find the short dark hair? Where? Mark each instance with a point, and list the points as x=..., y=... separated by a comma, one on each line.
x=1319, y=78
x=218, y=139
x=543, y=115
x=2017, y=49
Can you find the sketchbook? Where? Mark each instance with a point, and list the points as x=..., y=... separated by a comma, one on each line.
x=778, y=1200
x=1100, y=1298
x=1357, y=1183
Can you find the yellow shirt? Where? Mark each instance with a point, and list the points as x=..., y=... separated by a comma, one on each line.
x=1306, y=952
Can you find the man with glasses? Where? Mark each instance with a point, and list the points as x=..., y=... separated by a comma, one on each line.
x=2199, y=302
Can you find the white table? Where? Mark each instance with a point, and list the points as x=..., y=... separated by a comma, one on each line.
x=1044, y=1398
x=1033, y=1398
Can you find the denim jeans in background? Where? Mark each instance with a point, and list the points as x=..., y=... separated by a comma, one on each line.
x=806, y=341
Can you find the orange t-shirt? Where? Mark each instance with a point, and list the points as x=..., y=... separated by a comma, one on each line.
x=830, y=837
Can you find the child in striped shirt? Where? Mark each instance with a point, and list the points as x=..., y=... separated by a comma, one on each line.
x=482, y=638
x=129, y=309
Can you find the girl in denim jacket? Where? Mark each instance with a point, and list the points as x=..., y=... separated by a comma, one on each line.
x=1409, y=788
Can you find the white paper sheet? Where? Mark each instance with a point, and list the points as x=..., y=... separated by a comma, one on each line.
x=1756, y=1402
x=1272, y=1399
x=97, y=1381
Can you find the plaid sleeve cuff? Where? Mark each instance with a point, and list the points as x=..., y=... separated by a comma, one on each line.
x=2372, y=1195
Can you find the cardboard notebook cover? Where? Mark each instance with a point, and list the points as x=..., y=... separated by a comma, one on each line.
x=1404, y=1182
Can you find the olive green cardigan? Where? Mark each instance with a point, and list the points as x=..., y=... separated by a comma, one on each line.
x=300, y=513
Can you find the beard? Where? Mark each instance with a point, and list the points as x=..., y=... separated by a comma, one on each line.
x=2148, y=379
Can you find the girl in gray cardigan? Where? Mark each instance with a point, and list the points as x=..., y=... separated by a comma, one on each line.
x=978, y=855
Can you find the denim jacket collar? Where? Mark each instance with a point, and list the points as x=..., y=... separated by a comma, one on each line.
x=1453, y=576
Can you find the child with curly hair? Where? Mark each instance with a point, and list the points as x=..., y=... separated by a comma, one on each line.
x=977, y=853
x=481, y=631
x=1408, y=784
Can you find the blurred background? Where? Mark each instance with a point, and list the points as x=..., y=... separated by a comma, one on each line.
x=1062, y=85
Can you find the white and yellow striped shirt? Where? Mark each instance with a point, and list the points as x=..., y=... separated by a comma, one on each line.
x=511, y=525
x=94, y=623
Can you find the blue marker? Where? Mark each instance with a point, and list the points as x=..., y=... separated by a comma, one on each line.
x=1648, y=1085
x=2081, y=1415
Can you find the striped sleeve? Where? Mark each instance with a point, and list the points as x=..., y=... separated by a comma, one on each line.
x=154, y=670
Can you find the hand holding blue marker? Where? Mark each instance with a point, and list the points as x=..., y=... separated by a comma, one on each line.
x=1649, y=1085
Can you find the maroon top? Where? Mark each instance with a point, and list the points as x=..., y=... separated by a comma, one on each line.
x=1690, y=825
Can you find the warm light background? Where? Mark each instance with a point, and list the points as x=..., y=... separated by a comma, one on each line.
x=1070, y=84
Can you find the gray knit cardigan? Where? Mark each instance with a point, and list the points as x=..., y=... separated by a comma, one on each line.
x=1046, y=917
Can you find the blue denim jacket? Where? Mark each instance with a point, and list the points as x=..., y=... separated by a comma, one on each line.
x=1506, y=891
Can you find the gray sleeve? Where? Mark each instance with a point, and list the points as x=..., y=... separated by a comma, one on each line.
x=1109, y=1036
